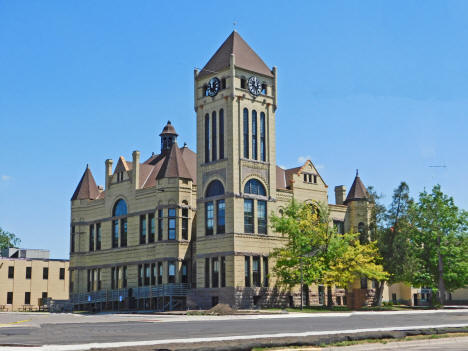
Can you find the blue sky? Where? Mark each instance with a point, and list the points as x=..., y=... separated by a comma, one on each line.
x=377, y=85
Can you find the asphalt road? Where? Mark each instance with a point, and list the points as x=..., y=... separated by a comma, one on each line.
x=26, y=329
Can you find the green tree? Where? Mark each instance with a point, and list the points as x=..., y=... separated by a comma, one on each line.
x=8, y=239
x=315, y=248
x=391, y=230
x=439, y=243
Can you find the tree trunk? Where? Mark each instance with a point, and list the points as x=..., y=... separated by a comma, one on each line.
x=441, y=275
x=379, y=293
x=329, y=296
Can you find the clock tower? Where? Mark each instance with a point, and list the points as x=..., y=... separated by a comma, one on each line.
x=235, y=100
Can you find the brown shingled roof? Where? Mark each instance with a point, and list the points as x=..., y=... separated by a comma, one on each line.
x=358, y=191
x=245, y=57
x=174, y=165
x=87, y=188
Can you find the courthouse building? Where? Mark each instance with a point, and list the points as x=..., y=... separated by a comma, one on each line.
x=29, y=277
x=191, y=229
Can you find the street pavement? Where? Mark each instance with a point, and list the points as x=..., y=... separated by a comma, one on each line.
x=68, y=329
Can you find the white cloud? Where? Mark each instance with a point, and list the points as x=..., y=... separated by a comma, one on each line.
x=5, y=178
x=320, y=167
x=303, y=159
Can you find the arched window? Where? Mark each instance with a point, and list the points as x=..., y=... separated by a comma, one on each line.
x=253, y=186
x=207, y=138
x=120, y=208
x=262, y=137
x=119, y=226
x=213, y=136
x=214, y=188
x=246, y=133
x=221, y=134
x=254, y=135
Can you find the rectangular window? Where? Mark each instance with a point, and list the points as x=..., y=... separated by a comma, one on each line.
x=248, y=216
x=246, y=133
x=28, y=272
x=261, y=217
x=152, y=228
x=115, y=233
x=113, y=277
x=124, y=276
x=247, y=271
x=72, y=239
x=143, y=229
x=11, y=272
x=184, y=273
x=265, y=271
x=207, y=272
x=147, y=274
x=213, y=136
x=339, y=226
x=45, y=273
x=27, y=298
x=10, y=298
x=88, y=280
x=221, y=134
x=123, y=232
x=207, y=138
x=364, y=283
x=254, y=135
x=62, y=274
x=221, y=217
x=160, y=273
x=305, y=177
x=98, y=278
x=153, y=273
x=209, y=214
x=171, y=233
x=91, y=237
x=98, y=236
x=185, y=223
x=140, y=275
x=223, y=272
x=160, y=224
x=256, y=275
x=44, y=297
x=214, y=272
x=171, y=272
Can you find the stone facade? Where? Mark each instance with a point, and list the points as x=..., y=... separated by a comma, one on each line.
x=219, y=204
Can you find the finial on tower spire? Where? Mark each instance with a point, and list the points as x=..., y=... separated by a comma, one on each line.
x=357, y=172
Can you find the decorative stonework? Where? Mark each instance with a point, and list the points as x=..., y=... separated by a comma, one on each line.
x=259, y=170
x=216, y=173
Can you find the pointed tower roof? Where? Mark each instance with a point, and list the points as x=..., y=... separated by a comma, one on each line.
x=245, y=57
x=87, y=188
x=174, y=165
x=358, y=191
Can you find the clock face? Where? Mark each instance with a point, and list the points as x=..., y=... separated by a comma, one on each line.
x=255, y=87
x=213, y=87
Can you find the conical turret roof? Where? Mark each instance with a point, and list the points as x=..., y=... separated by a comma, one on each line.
x=87, y=188
x=358, y=191
x=245, y=57
x=168, y=129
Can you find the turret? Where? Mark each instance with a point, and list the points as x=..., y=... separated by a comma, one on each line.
x=168, y=137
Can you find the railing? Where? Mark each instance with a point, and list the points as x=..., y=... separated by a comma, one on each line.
x=143, y=292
